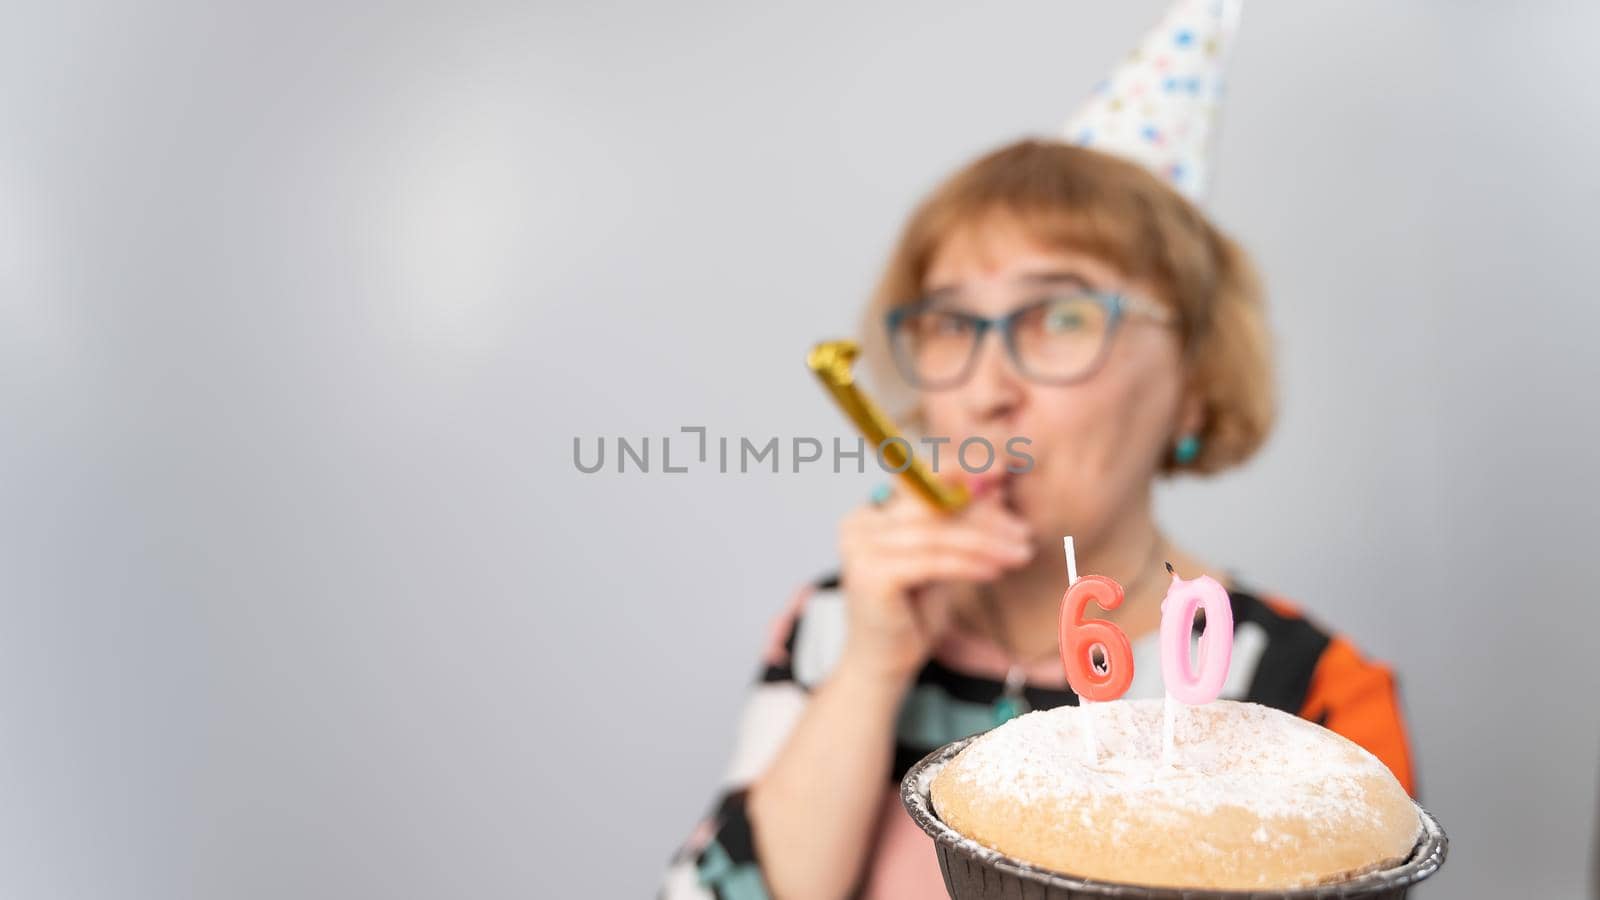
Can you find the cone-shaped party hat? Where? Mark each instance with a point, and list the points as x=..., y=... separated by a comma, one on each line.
x=1159, y=107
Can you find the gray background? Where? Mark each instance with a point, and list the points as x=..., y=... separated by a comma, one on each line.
x=301, y=306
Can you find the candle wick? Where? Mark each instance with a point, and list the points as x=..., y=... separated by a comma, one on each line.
x=1170, y=570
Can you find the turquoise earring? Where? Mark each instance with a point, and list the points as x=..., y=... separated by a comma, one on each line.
x=1187, y=451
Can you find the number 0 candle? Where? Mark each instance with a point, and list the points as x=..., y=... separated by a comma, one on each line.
x=1201, y=682
x=1184, y=684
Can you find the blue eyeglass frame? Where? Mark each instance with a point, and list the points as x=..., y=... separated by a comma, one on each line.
x=1117, y=307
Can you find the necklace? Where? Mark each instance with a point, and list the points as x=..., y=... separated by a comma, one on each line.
x=1012, y=702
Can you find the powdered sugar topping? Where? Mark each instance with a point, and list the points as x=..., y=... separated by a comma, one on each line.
x=1226, y=754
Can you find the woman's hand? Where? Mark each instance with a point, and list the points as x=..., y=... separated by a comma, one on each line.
x=903, y=566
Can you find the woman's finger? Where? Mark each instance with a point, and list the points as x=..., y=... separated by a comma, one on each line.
x=953, y=538
x=913, y=569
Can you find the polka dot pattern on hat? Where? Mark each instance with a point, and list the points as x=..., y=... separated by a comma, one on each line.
x=1159, y=107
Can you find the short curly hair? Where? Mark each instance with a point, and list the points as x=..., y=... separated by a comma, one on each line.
x=1081, y=199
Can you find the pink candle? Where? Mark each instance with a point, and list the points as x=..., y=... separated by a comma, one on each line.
x=1216, y=642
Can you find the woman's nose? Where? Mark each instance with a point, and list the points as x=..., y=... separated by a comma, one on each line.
x=995, y=389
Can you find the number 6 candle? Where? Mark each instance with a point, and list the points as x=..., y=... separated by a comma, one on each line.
x=1080, y=637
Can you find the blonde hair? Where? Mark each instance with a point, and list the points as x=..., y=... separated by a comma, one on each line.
x=1075, y=198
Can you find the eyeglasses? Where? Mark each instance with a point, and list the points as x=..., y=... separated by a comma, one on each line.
x=1061, y=339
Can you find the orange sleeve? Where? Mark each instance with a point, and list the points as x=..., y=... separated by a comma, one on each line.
x=1358, y=699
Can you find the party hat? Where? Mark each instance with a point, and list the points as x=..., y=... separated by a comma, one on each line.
x=1159, y=106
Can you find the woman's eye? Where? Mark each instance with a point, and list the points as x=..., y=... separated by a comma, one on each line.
x=1058, y=320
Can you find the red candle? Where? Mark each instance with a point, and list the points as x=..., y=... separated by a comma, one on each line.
x=1080, y=637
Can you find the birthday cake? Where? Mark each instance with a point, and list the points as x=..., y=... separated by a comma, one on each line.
x=1244, y=797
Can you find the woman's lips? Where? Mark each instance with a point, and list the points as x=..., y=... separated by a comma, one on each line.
x=1002, y=484
x=981, y=484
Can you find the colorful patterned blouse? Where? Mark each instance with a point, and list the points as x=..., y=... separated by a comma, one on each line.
x=1280, y=659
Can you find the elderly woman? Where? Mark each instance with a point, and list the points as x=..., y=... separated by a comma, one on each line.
x=1074, y=298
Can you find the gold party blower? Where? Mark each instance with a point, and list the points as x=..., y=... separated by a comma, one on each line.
x=832, y=361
